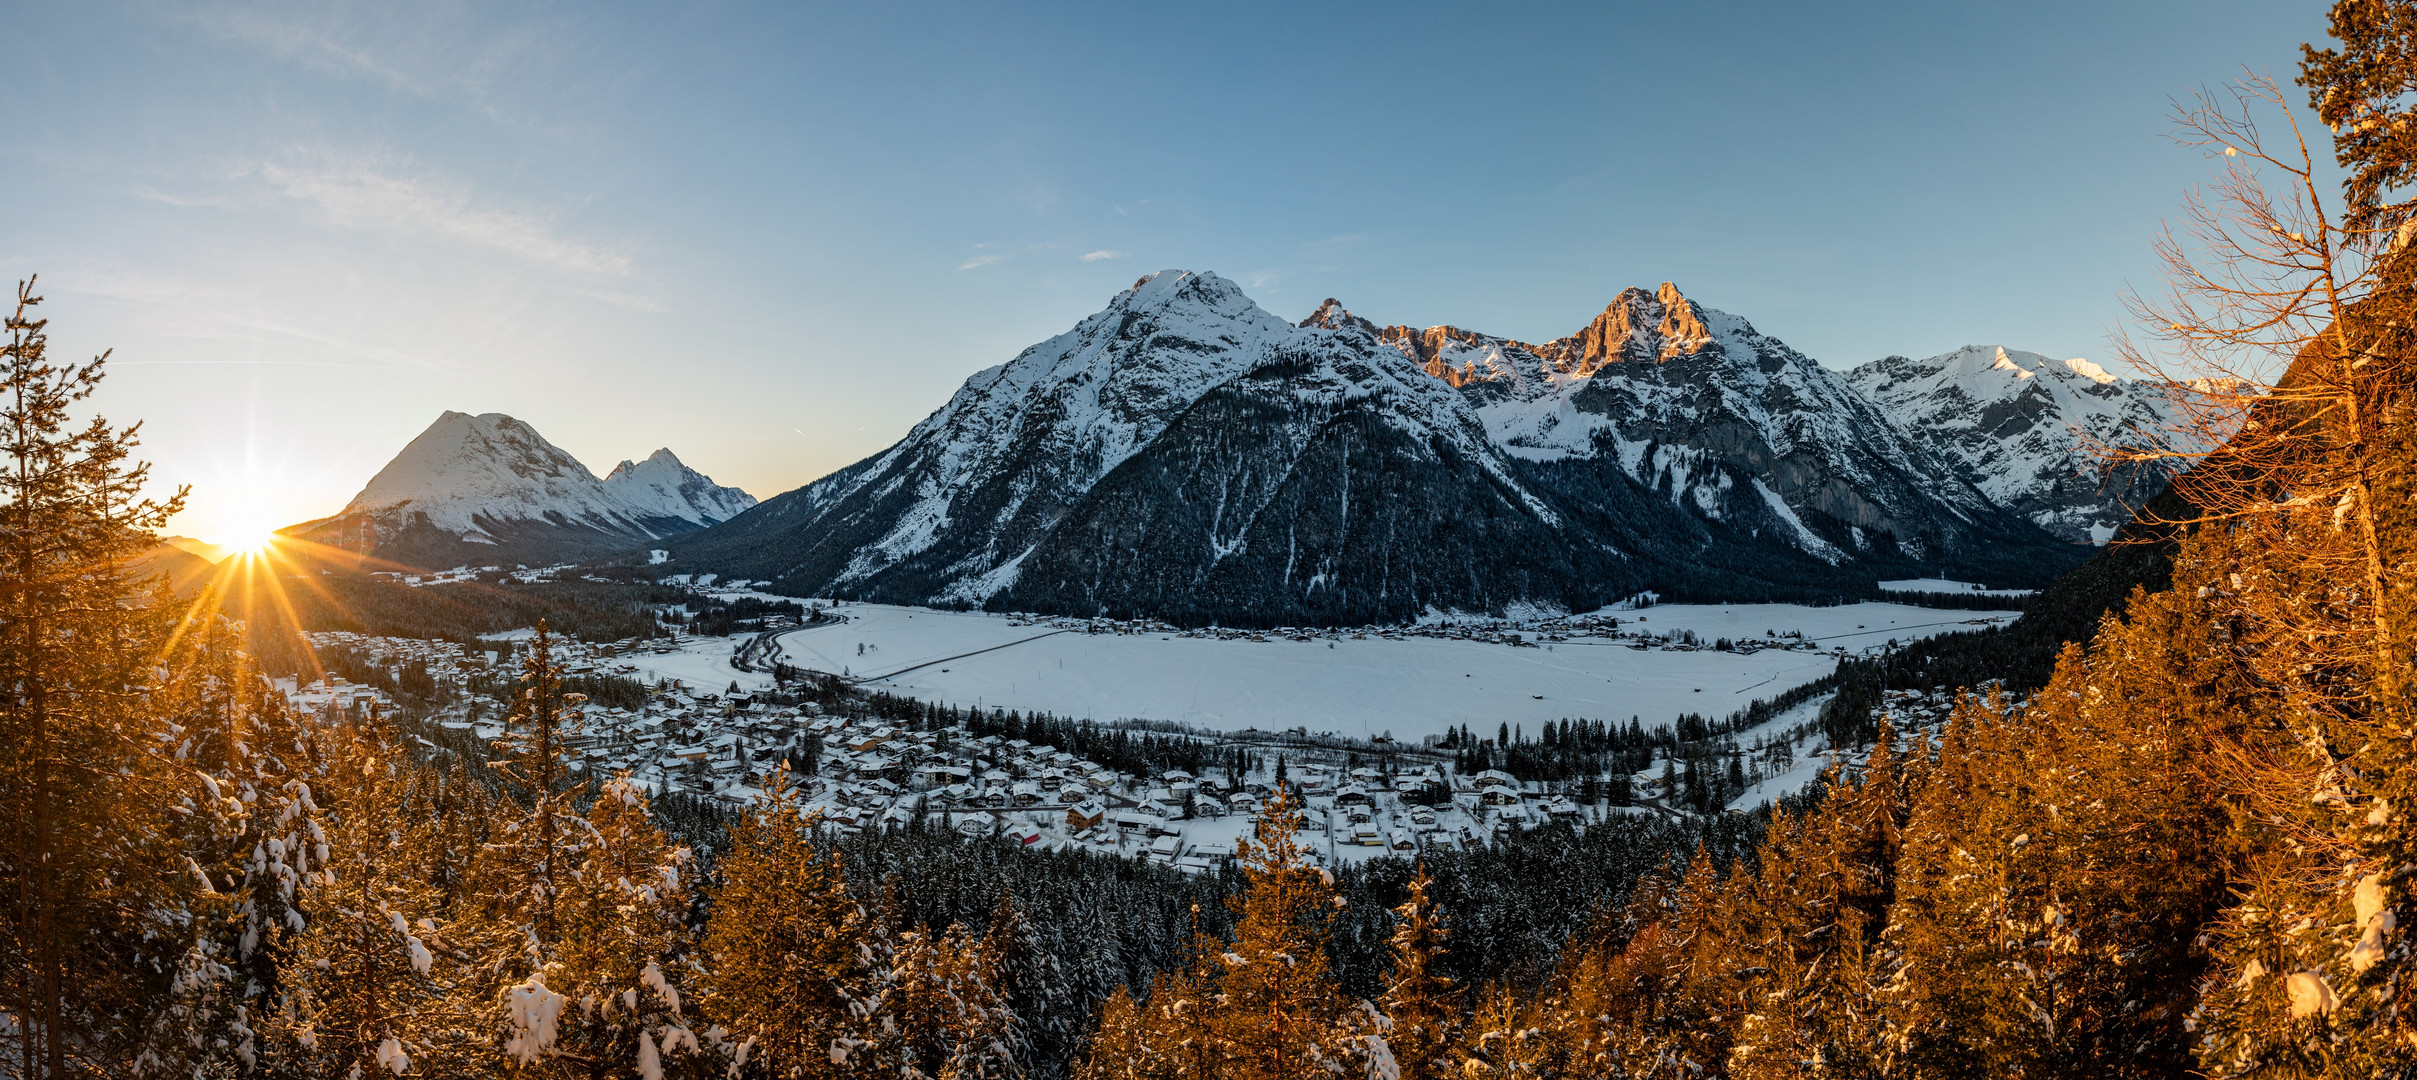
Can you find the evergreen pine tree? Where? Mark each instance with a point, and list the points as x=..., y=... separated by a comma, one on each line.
x=1422, y=1003
x=99, y=907
x=786, y=966
x=1278, y=1013
x=372, y=985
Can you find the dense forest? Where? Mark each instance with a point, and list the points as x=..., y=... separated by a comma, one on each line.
x=2174, y=844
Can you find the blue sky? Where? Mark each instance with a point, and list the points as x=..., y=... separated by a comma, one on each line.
x=771, y=237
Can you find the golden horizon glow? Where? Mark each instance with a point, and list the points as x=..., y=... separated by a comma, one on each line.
x=248, y=541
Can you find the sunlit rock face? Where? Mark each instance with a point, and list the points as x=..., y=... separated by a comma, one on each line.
x=489, y=490
x=2022, y=427
x=1186, y=454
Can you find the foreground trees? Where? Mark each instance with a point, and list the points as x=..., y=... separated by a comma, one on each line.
x=2186, y=854
x=99, y=900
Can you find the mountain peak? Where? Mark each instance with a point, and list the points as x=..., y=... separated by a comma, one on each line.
x=662, y=487
x=660, y=459
x=1169, y=287
x=476, y=458
x=2007, y=419
x=491, y=480
x=1331, y=315
x=1644, y=326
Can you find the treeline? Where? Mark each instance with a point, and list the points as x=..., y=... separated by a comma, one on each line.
x=1958, y=601
x=281, y=599
x=1602, y=756
x=715, y=616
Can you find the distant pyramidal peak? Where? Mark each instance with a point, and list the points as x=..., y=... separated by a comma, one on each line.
x=491, y=480
x=661, y=484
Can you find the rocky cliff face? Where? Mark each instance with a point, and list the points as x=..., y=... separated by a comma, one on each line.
x=1184, y=453
x=1696, y=404
x=2021, y=428
x=489, y=490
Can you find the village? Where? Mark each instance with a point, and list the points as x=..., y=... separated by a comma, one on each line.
x=858, y=772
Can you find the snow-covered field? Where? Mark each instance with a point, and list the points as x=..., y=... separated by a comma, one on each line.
x=1944, y=585
x=1412, y=687
x=701, y=662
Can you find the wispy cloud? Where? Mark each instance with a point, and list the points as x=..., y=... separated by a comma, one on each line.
x=307, y=45
x=1324, y=255
x=980, y=261
x=361, y=195
x=1095, y=256
x=461, y=55
x=205, y=311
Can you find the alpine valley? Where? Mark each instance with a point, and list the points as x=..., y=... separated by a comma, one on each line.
x=1186, y=455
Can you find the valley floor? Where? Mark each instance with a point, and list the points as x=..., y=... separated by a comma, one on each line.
x=1406, y=684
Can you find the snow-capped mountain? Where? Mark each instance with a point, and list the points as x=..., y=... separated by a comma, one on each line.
x=1186, y=454
x=1696, y=404
x=2021, y=426
x=489, y=489
x=663, y=487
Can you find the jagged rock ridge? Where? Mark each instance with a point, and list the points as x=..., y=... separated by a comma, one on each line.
x=1186, y=454
x=2022, y=428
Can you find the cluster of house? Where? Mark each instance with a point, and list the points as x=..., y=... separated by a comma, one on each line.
x=860, y=773
x=873, y=775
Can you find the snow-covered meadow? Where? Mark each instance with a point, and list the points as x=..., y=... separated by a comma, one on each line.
x=1410, y=687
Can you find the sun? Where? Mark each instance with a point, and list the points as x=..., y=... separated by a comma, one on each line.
x=246, y=541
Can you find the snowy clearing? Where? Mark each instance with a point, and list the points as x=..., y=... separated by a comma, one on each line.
x=1943, y=585
x=1411, y=687
x=702, y=663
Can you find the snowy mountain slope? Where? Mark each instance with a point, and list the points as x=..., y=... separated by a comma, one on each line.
x=473, y=490
x=2019, y=425
x=1696, y=404
x=1152, y=458
x=661, y=486
x=1184, y=453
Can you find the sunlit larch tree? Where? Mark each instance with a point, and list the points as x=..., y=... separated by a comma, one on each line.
x=789, y=973
x=2296, y=316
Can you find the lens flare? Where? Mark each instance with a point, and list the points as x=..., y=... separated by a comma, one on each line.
x=245, y=541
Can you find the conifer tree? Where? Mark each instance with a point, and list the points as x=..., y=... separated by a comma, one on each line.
x=1122, y=1045
x=624, y=958
x=1278, y=1010
x=1820, y=902
x=1035, y=986
x=943, y=1002
x=98, y=906
x=1422, y=1003
x=786, y=962
x=575, y=925
x=372, y=985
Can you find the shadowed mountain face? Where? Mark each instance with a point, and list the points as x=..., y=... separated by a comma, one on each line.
x=1185, y=454
x=489, y=490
